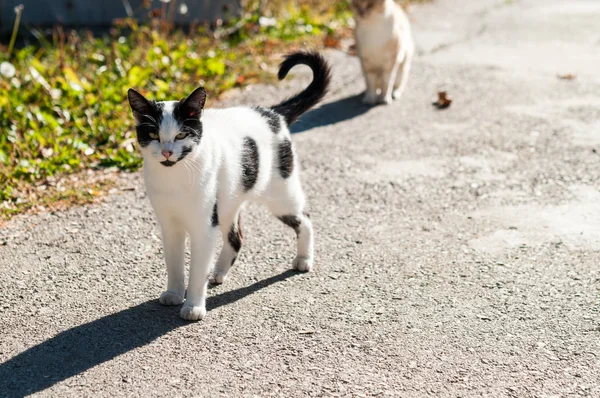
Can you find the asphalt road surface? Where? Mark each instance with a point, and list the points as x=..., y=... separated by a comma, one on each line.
x=457, y=250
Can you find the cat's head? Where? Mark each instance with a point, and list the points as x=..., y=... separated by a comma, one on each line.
x=364, y=8
x=167, y=131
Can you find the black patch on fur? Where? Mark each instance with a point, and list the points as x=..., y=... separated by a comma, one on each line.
x=215, y=216
x=273, y=119
x=235, y=237
x=249, y=163
x=292, y=108
x=187, y=124
x=292, y=222
x=167, y=163
x=286, y=158
x=184, y=152
x=149, y=122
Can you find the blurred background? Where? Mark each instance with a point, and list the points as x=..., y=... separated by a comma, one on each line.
x=99, y=15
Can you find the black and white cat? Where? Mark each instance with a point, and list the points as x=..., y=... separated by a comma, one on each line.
x=201, y=166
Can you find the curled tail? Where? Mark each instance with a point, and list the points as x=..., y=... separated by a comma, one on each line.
x=292, y=108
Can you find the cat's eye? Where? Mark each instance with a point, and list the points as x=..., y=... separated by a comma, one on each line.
x=180, y=136
x=154, y=136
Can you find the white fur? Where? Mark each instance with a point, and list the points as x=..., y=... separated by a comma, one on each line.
x=385, y=47
x=183, y=197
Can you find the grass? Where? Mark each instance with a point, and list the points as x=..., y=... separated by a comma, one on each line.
x=63, y=102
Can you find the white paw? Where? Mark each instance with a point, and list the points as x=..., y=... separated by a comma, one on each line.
x=302, y=264
x=397, y=94
x=385, y=100
x=217, y=278
x=369, y=99
x=192, y=313
x=170, y=298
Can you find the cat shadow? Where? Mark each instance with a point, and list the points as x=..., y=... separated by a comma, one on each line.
x=78, y=349
x=331, y=113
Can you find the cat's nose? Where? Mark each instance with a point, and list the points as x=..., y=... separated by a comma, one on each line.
x=167, y=154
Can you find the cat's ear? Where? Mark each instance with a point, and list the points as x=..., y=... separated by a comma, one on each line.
x=193, y=105
x=139, y=104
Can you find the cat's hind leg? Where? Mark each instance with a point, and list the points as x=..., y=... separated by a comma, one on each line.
x=301, y=224
x=232, y=244
x=288, y=207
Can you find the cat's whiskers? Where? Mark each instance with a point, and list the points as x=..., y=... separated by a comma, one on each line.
x=194, y=163
x=188, y=172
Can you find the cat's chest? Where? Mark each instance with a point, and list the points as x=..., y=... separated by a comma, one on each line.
x=374, y=34
x=181, y=206
x=174, y=179
x=173, y=200
x=174, y=192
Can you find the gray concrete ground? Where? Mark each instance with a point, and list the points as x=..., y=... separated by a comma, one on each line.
x=457, y=249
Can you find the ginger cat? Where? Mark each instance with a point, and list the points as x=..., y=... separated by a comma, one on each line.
x=385, y=46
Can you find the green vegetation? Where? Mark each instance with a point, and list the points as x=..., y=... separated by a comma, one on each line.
x=63, y=105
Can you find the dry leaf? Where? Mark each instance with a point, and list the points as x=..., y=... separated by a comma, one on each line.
x=93, y=192
x=568, y=76
x=443, y=101
x=332, y=41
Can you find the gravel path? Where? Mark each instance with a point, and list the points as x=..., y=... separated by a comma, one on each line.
x=457, y=250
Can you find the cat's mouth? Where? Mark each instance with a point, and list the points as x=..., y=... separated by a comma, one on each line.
x=167, y=163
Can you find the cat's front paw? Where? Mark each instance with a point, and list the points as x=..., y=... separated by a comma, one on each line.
x=170, y=298
x=385, y=100
x=192, y=313
x=217, y=278
x=302, y=264
x=370, y=99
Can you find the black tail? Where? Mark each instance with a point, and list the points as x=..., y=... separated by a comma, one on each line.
x=292, y=108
